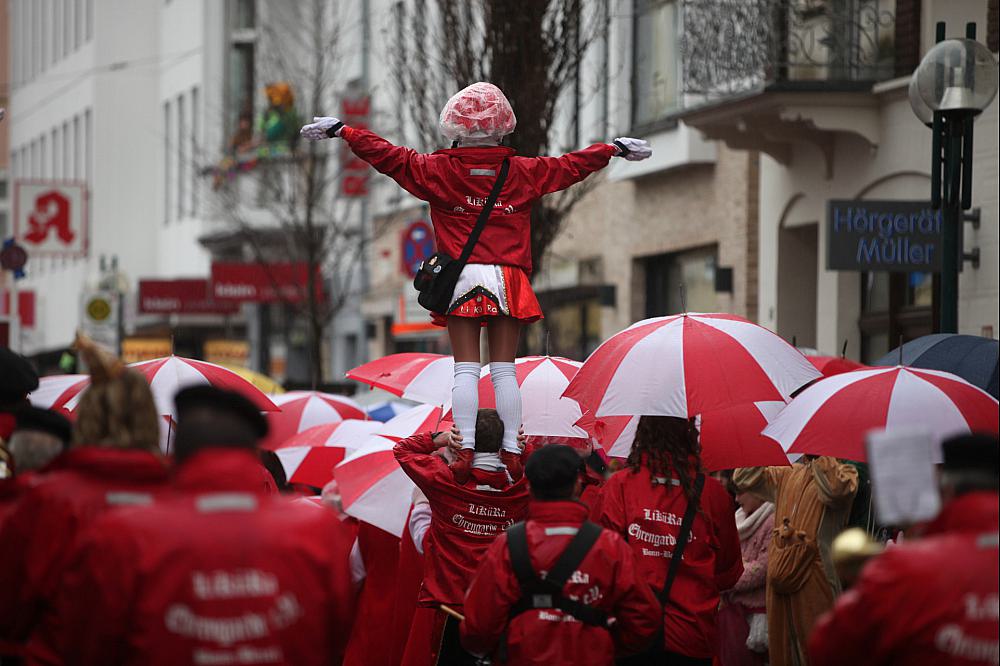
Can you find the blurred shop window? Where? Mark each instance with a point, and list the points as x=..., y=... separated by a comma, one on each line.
x=655, y=61
x=667, y=274
x=571, y=328
x=240, y=81
x=894, y=307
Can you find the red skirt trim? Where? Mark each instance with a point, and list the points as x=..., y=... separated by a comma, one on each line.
x=481, y=302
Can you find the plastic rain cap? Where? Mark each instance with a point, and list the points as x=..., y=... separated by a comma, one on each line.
x=479, y=111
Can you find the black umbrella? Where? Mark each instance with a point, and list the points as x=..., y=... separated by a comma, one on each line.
x=971, y=357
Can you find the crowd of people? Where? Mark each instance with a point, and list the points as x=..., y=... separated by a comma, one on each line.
x=116, y=554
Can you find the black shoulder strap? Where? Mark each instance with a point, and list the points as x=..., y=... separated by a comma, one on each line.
x=520, y=560
x=484, y=214
x=682, y=538
x=571, y=558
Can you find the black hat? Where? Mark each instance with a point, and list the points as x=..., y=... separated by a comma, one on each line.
x=17, y=377
x=553, y=469
x=44, y=420
x=972, y=452
x=230, y=402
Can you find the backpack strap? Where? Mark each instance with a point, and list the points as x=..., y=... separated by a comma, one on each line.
x=547, y=592
x=682, y=539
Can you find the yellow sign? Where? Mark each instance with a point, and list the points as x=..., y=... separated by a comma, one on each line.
x=98, y=308
x=227, y=352
x=135, y=350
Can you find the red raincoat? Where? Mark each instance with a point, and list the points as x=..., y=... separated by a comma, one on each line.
x=369, y=645
x=216, y=572
x=930, y=601
x=455, y=182
x=649, y=515
x=38, y=535
x=608, y=579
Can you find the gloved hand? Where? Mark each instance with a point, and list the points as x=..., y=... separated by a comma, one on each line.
x=322, y=128
x=633, y=150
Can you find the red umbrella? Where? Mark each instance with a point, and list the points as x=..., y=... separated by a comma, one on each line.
x=301, y=410
x=419, y=377
x=834, y=365
x=374, y=488
x=688, y=364
x=833, y=416
x=422, y=418
x=730, y=437
x=55, y=391
x=310, y=456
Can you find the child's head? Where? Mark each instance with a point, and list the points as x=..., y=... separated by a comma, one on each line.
x=480, y=111
x=489, y=431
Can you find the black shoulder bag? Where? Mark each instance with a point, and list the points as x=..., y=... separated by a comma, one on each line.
x=437, y=276
x=656, y=652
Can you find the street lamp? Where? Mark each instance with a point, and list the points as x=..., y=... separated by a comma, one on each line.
x=955, y=81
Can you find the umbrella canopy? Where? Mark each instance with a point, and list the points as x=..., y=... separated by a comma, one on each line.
x=684, y=365
x=310, y=456
x=833, y=416
x=542, y=381
x=834, y=365
x=168, y=375
x=387, y=409
x=301, y=410
x=730, y=437
x=426, y=378
x=971, y=357
x=374, y=488
x=423, y=418
x=55, y=391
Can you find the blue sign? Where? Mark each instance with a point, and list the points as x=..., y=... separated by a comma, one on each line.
x=865, y=235
x=417, y=245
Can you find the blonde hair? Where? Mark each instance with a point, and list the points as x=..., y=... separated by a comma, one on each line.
x=117, y=410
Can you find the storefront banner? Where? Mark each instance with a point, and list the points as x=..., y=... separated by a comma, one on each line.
x=136, y=350
x=234, y=353
x=900, y=236
x=261, y=283
x=181, y=297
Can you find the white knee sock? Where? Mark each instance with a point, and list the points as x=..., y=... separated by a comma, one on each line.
x=465, y=402
x=508, y=396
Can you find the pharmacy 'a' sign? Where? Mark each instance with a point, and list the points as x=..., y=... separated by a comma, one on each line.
x=884, y=235
x=50, y=217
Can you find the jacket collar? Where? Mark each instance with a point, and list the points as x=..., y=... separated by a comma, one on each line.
x=221, y=470
x=497, y=480
x=559, y=511
x=111, y=463
x=972, y=512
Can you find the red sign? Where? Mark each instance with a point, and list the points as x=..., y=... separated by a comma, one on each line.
x=50, y=217
x=25, y=307
x=181, y=297
x=354, y=113
x=261, y=283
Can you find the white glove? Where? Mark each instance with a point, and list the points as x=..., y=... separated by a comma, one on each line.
x=633, y=150
x=320, y=127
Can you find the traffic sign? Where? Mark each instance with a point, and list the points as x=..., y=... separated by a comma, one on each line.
x=417, y=245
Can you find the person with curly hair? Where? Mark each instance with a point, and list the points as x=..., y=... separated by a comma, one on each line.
x=661, y=488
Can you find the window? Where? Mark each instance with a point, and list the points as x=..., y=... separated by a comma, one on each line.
x=77, y=23
x=241, y=16
x=57, y=30
x=656, y=61
x=681, y=282
x=77, y=149
x=167, y=162
x=88, y=137
x=194, y=150
x=895, y=307
x=181, y=157
x=56, y=164
x=245, y=15
x=68, y=25
x=66, y=152
x=43, y=171
x=89, y=17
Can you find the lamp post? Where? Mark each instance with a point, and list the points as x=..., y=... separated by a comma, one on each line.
x=955, y=81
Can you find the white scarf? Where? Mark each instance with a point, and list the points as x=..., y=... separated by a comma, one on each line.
x=748, y=525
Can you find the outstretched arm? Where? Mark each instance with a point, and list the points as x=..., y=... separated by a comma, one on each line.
x=551, y=174
x=403, y=165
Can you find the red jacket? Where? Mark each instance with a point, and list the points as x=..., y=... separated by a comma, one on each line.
x=649, y=515
x=444, y=179
x=466, y=519
x=369, y=644
x=39, y=534
x=608, y=579
x=216, y=572
x=929, y=601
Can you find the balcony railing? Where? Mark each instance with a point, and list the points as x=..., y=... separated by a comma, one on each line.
x=733, y=47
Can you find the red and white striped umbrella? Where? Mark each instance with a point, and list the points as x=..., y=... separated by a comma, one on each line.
x=310, y=456
x=834, y=365
x=422, y=418
x=55, y=391
x=426, y=378
x=730, y=438
x=833, y=416
x=168, y=375
x=374, y=488
x=544, y=410
x=301, y=410
x=684, y=365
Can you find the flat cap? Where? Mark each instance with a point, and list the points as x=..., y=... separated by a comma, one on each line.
x=229, y=402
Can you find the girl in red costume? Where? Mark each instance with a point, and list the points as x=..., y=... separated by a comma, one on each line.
x=494, y=289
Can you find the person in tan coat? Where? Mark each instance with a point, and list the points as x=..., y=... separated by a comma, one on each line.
x=812, y=501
